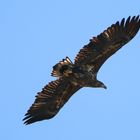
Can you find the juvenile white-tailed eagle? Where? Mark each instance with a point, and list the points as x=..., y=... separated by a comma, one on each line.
x=83, y=72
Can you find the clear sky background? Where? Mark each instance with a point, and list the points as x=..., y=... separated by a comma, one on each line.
x=34, y=36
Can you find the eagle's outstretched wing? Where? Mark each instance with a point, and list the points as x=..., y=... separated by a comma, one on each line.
x=107, y=43
x=50, y=100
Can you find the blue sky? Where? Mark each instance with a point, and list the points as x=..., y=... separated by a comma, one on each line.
x=34, y=36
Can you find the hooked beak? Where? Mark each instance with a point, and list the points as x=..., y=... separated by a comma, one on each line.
x=104, y=86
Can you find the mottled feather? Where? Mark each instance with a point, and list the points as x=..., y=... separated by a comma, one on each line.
x=50, y=100
x=107, y=43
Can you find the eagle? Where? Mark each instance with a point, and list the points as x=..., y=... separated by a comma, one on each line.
x=83, y=72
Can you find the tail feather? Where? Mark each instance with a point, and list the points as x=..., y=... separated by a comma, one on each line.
x=60, y=67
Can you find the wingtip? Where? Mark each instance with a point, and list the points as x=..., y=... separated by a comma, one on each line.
x=28, y=120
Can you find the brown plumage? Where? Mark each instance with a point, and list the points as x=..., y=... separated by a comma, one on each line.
x=50, y=100
x=83, y=72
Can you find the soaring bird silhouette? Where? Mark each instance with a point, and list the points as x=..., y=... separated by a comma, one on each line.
x=83, y=72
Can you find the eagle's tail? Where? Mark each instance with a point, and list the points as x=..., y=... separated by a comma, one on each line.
x=61, y=67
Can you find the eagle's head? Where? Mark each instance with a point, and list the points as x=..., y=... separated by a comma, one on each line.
x=100, y=84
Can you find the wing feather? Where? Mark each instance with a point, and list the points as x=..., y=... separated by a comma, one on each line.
x=100, y=48
x=49, y=101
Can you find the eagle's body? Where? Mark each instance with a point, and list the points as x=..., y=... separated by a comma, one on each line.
x=82, y=76
x=83, y=72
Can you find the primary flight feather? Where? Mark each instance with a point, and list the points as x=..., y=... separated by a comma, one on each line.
x=83, y=72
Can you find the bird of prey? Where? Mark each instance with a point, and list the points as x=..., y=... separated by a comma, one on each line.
x=83, y=72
